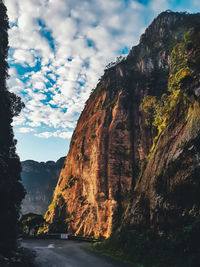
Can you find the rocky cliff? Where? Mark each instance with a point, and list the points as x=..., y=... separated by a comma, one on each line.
x=111, y=164
x=166, y=194
x=39, y=180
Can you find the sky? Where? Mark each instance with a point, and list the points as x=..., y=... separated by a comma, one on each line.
x=58, y=52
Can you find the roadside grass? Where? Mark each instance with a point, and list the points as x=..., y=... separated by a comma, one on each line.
x=94, y=248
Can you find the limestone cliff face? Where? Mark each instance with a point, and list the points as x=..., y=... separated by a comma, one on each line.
x=111, y=138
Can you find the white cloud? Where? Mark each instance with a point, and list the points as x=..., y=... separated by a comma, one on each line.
x=13, y=9
x=61, y=134
x=25, y=130
x=24, y=57
x=39, y=85
x=14, y=82
x=85, y=37
x=21, y=120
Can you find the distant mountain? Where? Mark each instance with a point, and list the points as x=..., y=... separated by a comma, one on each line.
x=39, y=180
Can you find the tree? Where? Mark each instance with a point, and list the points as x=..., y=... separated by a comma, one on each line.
x=11, y=189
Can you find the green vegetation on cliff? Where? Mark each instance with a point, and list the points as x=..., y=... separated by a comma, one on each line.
x=159, y=109
x=149, y=248
x=70, y=182
x=30, y=223
x=60, y=219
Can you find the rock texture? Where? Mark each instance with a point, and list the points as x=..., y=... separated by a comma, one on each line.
x=39, y=180
x=111, y=139
x=166, y=195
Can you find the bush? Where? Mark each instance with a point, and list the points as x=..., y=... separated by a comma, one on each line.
x=70, y=182
x=31, y=223
x=147, y=247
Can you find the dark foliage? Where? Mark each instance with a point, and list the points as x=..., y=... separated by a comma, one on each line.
x=31, y=223
x=11, y=189
x=59, y=224
x=147, y=247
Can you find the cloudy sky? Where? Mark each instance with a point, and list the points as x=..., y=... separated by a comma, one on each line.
x=58, y=51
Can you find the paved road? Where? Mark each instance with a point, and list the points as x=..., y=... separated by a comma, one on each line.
x=66, y=253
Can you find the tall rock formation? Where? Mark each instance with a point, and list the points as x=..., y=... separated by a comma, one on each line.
x=39, y=180
x=103, y=171
x=166, y=195
x=11, y=189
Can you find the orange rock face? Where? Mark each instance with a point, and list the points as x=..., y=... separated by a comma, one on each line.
x=98, y=172
x=100, y=176
x=111, y=137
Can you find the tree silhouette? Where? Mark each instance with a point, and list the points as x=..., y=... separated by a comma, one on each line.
x=11, y=189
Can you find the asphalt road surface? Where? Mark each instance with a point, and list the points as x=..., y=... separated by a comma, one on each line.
x=67, y=253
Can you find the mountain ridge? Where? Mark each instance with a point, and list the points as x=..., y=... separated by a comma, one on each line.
x=39, y=180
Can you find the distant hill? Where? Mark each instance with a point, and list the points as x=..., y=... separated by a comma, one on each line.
x=39, y=180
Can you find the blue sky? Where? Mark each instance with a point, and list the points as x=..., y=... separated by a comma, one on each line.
x=58, y=51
